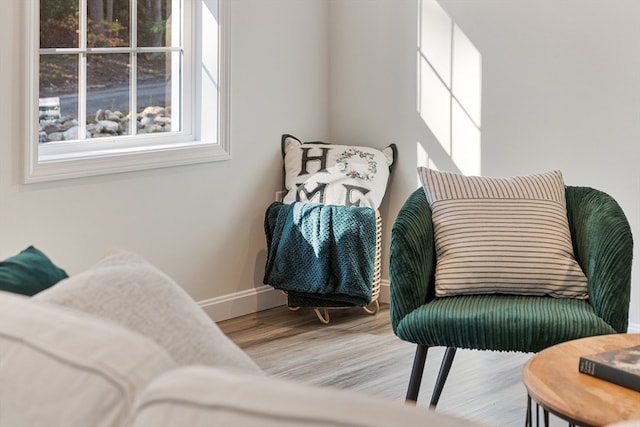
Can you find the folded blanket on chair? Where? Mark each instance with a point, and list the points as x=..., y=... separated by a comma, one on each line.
x=321, y=255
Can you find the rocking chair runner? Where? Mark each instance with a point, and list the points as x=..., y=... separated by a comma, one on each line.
x=602, y=244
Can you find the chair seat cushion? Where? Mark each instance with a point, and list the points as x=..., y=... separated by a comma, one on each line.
x=501, y=322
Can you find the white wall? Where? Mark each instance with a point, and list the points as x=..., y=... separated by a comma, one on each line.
x=201, y=224
x=560, y=90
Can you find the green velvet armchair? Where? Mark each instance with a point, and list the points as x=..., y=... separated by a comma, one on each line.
x=602, y=244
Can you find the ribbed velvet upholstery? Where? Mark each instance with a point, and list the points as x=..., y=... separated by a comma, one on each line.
x=603, y=248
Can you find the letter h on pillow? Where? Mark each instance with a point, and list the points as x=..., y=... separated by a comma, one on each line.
x=335, y=174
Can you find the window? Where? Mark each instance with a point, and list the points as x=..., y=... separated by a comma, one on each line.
x=122, y=85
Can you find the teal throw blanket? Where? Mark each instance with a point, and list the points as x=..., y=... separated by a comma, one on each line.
x=321, y=255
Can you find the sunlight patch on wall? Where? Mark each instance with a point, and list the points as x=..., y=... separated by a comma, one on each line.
x=467, y=75
x=434, y=100
x=449, y=86
x=435, y=38
x=423, y=160
x=465, y=142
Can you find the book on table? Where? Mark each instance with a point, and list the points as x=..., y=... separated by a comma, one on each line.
x=620, y=366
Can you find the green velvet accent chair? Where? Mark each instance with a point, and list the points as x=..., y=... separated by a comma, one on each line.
x=603, y=247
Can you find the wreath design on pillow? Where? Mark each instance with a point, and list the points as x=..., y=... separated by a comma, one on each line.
x=342, y=162
x=342, y=174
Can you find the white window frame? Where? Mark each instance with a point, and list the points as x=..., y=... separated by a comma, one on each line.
x=56, y=161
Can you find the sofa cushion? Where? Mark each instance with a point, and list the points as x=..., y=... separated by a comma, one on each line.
x=127, y=289
x=502, y=235
x=202, y=397
x=60, y=367
x=29, y=272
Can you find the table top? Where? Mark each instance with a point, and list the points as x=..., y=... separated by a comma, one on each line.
x=552, y=379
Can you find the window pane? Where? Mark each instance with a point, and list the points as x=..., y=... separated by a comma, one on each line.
x=59, y=23
x=108, y=23
x=156, y=88
x=107, y=94
x=154, y=23
x=58, y=103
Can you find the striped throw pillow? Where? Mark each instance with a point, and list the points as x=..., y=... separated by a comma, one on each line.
x=502, y=235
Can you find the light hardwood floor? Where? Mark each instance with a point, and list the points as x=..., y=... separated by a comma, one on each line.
x=358, y=351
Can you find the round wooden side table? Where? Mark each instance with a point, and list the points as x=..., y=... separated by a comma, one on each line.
x=552, y=379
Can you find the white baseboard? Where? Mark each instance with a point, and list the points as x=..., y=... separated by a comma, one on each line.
x=254, y=300
x=634, y=328
x=384, y=291
x=241, y=303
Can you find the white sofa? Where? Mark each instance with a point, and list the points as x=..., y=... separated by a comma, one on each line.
x=123, y=345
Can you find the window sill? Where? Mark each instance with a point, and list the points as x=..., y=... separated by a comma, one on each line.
x=109, y=161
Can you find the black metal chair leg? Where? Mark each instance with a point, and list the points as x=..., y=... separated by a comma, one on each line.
x=445, y=367
x=416, y=373
x=545, y=413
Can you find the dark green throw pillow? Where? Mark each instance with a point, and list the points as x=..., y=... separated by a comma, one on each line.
x=29, y=272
